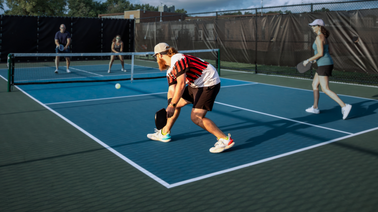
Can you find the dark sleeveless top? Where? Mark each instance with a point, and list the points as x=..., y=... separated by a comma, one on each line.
x=117, y=47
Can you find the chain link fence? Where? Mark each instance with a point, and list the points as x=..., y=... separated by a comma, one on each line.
x=272, y=40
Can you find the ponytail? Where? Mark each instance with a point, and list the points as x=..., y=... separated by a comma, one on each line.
x=324, y=31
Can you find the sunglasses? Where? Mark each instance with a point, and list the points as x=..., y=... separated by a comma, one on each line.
x=118, y=38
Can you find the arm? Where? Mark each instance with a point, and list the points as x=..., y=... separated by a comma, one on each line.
x=113, y=50
x=177, y=91
x=121, y=47
x=68, y=43
x=56, y=39
x=171, y=92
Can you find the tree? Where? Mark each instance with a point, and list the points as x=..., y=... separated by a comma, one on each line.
x=1, y=4
x=85, y=8
x=233, y=13
x=36, y=7
x=146, y=7
x=322, y=10
x=181, y=11
x=279, y=12
x=118, y=6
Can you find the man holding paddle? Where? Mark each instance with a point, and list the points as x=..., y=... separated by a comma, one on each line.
x=203, y=85
x=62, y=43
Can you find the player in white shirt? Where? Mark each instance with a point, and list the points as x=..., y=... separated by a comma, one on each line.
x=203, y=86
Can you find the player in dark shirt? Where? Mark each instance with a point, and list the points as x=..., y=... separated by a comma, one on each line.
x=62, y=38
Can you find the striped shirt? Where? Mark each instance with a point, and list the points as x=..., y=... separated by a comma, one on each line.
x=199, y=73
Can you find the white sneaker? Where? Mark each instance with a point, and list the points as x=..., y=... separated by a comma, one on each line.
x=222, y=144
x=109, y=71
x=313, y=110
x=68, y=71
x=158, y=136
x=345, y=110
x=56, y=71
x=124, y=70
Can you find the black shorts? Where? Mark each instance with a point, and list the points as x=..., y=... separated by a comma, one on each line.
x=201, y=98
x=324, y=70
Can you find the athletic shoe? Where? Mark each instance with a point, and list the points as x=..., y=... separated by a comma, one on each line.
x=124, y=70
x=313, y=110
x=222, y=144
x=56, y=71
x=109, y=71
x=68, y=71
x=345, y=110
x=158, y=136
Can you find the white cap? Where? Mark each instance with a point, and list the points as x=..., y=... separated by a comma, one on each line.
x=319, y=22
x=161, y=47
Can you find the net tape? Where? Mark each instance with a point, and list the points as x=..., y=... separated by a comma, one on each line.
x=102, y=54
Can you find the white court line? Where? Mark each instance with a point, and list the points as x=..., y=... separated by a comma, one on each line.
x=266, y=159
x=300, y=78
x=280, y=117
x=167, y=185
x=281, y=86
x=87, y=72
x=138, y=95
x=99, y=99
x=157, y=179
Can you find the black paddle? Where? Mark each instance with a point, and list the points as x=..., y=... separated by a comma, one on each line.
x=302, y=69
x=161, y=118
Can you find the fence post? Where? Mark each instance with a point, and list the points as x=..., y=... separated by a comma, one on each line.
x=256, y=42
x=10, y=72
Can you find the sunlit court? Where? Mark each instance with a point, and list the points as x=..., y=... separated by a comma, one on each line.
x=298, y=104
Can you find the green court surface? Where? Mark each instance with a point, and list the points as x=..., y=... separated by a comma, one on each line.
x=46, y=164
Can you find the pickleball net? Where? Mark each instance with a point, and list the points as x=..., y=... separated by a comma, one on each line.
x=39, y=68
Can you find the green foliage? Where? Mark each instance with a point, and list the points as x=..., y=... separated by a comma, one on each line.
x=322, y=10
x=181, y=11
x=73, y=8
x=36, y=7
x=146, y=7
x=85, y=8
x=233, y=13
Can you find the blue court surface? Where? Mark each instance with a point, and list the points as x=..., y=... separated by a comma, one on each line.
x=266, y=122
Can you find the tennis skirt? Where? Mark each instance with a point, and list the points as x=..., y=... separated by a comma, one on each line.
x=325, y=70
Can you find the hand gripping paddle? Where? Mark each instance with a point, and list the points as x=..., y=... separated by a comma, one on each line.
x=302, y=69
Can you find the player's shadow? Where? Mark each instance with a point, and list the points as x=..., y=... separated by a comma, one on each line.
x=281, y=127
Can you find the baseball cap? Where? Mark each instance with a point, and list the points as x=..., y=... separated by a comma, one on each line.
x=161, y=47
x=319, y=22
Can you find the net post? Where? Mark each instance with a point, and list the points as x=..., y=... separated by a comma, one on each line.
x=132, y=67
x=218, y=62
x=10, y=72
